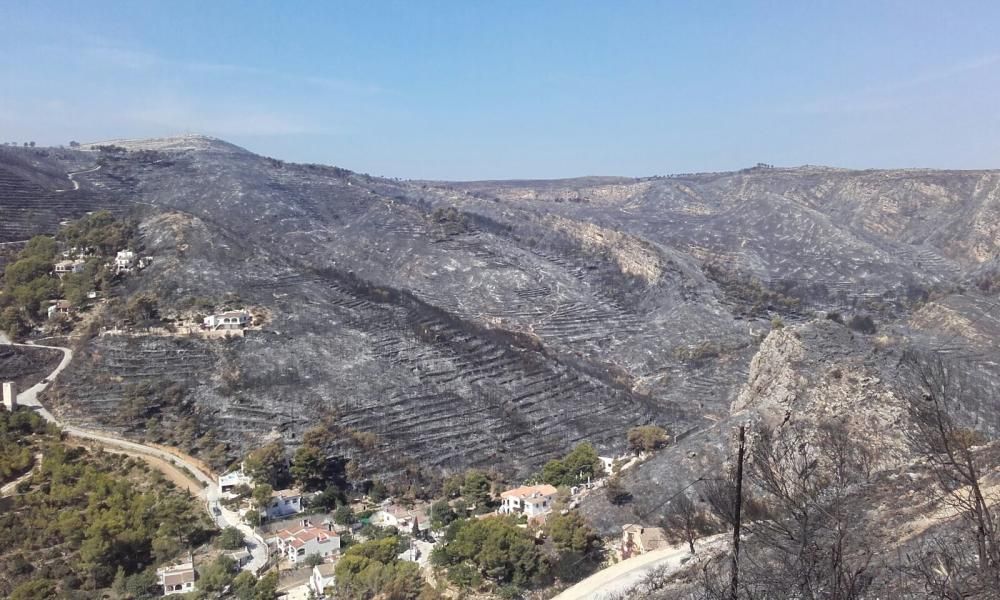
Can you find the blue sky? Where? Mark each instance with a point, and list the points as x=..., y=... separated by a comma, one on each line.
x=469, y=90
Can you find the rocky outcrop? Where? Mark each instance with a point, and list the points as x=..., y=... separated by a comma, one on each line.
x=821, y=372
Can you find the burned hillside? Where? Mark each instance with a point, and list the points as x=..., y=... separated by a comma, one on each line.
x=490, y=323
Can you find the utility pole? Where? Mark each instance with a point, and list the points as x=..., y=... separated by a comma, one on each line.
x=737, y=508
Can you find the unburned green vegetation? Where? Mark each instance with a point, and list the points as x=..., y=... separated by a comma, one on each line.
x=86, y=521
x=31, y=283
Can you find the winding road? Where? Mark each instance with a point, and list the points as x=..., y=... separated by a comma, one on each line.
x=210, y=492
x=76, y=184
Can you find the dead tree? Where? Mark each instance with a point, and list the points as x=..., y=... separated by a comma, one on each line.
x=803, y=540
x=684, y=519
x=948, y=447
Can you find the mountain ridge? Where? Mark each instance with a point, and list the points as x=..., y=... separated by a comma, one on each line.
x=452, y=320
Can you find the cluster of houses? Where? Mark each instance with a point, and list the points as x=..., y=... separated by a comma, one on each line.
x=75, y=261
x=294, y=537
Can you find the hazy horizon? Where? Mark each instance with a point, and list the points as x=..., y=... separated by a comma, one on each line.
x=452, y=91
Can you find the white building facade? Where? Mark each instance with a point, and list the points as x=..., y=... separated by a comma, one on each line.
x=283, y=503
x=296, y=545
x=529, y=500
x=177, y=579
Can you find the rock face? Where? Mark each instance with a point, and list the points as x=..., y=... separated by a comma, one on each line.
x=823, y=372
x=499, y=323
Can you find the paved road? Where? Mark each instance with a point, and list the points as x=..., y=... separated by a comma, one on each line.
x=29, y=397
x=210, y=493
x=626, y=574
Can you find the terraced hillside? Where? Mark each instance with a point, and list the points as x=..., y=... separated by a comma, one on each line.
x=35, y=196
x=498, y=323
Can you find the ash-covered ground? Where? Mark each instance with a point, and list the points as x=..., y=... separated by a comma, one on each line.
x=496, y=324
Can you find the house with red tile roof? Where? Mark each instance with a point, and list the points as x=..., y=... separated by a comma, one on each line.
x=295, y=544
x=530, y=500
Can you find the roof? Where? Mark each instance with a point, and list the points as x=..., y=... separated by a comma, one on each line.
x=325, y=569
x=537, y=498
x=177, y=574
x=527, y=491
x=299, y=537
x=234, y=313
x=63, y=305
x=289, y=493
x=650, y=538
x=179, y=578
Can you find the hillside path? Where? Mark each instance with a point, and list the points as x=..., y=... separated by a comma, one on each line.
x=76, y=184
x=210, y=493
x=8, y=489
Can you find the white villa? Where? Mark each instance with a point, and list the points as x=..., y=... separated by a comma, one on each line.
x=283, y=503
x=400, y=517
x=322, y=578
x=530, y=500
x=69, y=266
x=234, y=319
x=124, y=260
x=177, y=579
x=299, y=543
x=233, y=479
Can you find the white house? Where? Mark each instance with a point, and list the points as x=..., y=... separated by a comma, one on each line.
x=177, y=579
x=234, y=319
x=60, y=307
x=400, y=517
x=296, y=545
x=69, y=266
x=530, y=500
x=322, y=578
x=124, y=260
x=233, y=479
x=283, y=503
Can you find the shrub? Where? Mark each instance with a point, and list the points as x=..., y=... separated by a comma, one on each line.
x=231, y=539
x=616, y=493
x=862, y=324
x=647, y=438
